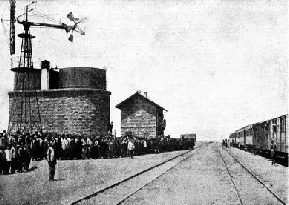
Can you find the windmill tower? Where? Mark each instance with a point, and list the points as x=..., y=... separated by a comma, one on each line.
x=24, y=113
x=24, y=102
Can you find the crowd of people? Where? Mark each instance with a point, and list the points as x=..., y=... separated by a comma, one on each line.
x=18, y=150
x=227, y=143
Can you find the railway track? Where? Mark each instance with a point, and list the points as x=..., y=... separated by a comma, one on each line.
x=233, y=178
x=119, y=192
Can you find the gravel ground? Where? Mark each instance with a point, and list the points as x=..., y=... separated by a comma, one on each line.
x=204, y=179
x=248, y=188
x=200, y=179
x=116, y=194
x=76, y=179
x=274, y=176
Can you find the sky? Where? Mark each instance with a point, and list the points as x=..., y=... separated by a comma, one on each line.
x=215, y=65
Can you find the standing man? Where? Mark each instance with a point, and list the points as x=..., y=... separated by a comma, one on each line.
x=130, y=147
x=51, y=158
x=8, y=156
x=64, y=145
x=13, y=158
x=110, y=127
x=273, y=147
x=2, y=161
x=145, y=146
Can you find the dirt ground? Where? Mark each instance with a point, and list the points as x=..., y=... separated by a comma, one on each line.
x=76, y=179
x=200, y=179
x=203, y=179
x=274, y=176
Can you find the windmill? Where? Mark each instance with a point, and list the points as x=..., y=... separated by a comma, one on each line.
x=25, y=113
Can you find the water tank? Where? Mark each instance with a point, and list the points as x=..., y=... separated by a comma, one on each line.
x=82, y=77
x=30, y=80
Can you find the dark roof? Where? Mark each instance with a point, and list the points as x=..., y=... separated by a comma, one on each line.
x=137, y=94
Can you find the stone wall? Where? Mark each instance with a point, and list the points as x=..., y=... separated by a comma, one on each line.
x=139, y=117
x=71, y=111
x=160, y=119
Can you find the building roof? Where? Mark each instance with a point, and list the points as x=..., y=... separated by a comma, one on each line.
x=137, y=94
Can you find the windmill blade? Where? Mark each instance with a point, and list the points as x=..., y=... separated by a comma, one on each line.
x=70, y=38
x=79, y=30
x=71, y=17
x=82, y=20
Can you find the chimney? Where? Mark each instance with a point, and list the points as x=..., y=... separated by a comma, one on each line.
x=45, y=75
x=146, y=94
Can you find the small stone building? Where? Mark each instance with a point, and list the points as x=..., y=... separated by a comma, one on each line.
x=73, y=101
x=141, y=116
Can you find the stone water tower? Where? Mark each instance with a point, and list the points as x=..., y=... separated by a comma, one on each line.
x=71, y=100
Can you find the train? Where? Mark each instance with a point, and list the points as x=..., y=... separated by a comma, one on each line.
x=188, y=141
x=257, y=137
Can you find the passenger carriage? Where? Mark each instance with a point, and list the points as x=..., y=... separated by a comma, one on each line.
x=261, y=137
x=257, y=137
x=240, y=141
x=248, y=137
x=232, y=138
x=278, y=132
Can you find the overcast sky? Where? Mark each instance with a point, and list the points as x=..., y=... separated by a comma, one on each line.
x=214, y=65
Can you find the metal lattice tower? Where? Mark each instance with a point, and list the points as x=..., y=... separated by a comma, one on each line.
x=24, y=113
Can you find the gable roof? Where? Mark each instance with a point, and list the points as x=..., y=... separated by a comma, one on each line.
x=137, y=94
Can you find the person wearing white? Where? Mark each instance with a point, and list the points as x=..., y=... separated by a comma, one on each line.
x=130, y=147
x=64, y=144
x=145, y=146
x=8, y=154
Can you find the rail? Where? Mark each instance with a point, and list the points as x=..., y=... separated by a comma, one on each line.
x=253, y=175
x=136, y=175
